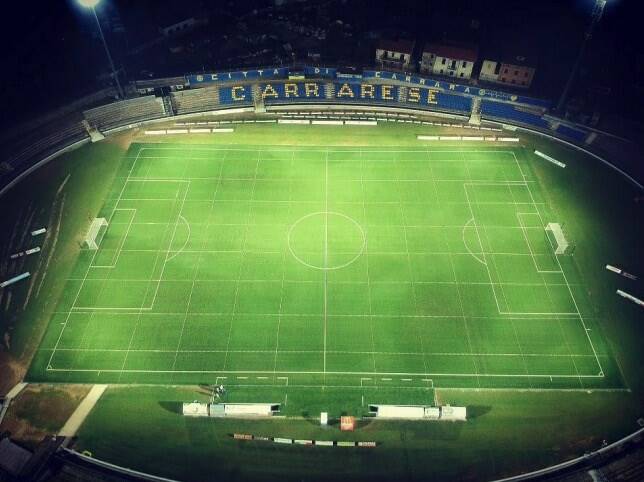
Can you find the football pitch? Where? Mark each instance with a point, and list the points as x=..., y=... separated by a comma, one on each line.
x=327, y=266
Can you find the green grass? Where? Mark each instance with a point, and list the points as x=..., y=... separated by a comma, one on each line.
x=508, y=432
x=327, y=266
x=35, y=202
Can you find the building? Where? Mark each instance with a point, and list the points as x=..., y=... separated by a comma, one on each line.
x=448, y=59
x=394, y=54
x=511, y=69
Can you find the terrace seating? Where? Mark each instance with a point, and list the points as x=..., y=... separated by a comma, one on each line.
x=125, y=112
x=226, y=96
x=196, y=100
x=282, y=96
x=36, y=144
x=574, y=134
x=627, y=468
x=500, y=111
x=450, y=102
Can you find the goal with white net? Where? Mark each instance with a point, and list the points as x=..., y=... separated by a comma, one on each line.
x=94, y=230
x=558, y=239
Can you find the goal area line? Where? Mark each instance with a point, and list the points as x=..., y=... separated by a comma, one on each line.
x=328, y=373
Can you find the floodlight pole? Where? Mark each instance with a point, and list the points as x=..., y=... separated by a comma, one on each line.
x=109, y=56
x=598, y=10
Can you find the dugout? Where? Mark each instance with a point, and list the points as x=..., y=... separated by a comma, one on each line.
x=243, y=409
x=453, y=414
x=418, y=412
x=195, y=409
x=404, y=412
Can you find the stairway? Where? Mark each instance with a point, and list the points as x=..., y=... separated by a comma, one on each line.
x=329, y=90
x=167, y=106
x=258, y=99
x=402, y=94
x=475, y=114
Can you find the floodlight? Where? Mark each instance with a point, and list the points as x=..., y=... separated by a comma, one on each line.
x=89, y=3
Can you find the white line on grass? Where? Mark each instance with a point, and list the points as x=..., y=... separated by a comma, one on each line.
x=119, y=250
x=527, y=241
x=178, y=252
x=241, y=264
x=468, y=248
x=326, y=151
x=80, y=288
x=366, y=251
x=198, y=264
x=478, y=235
x=515, y=316
x=329, y=373
x=279, y=318
x=410, y=273
x=326, y=248
x=514, y=329
x=150, y=282
x=460, y=299
x=581, y=318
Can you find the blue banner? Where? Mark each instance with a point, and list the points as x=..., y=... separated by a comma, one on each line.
x=456, y=88
x=292, y=91
x=240, y=75
x=351, y=91
x=320, y=72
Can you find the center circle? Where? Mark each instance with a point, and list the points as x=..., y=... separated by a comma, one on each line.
x=326, y=240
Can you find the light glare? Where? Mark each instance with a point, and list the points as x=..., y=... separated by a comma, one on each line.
x=89, y=3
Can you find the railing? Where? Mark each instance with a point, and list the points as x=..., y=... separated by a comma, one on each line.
x=595, y=459
x=587, y=460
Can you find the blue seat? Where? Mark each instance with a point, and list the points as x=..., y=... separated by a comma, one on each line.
x=500, y=110
x=572, y=133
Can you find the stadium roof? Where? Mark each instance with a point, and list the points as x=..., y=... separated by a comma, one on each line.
x=452, y=51
x=403, y=46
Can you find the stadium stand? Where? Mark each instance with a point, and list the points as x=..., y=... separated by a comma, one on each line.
x=38, y=142
x=571, y=133
x=195, y=100
x=125, y=112
x=456, y=103
x=507, y=112
x=291, y=91
x=24, y=145
x=147, y=85
x=235, y=95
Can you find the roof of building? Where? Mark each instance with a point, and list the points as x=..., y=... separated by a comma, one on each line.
x=452, y=51
x=515, y=52
x=518, y=58
x=402, y=46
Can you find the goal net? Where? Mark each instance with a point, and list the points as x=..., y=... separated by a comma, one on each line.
x=558, y=239
x=94, y=230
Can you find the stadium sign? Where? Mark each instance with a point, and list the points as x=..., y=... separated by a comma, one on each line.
x=320, y=72
x=347, y=90
x=273, y=73
x=452, y=87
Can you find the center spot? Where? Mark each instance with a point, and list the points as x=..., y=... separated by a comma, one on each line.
x=326, y=240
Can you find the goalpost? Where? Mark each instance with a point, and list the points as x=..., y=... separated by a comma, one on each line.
x=555, y=232
x=92, y=234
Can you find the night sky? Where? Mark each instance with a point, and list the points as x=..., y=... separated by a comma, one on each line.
x=52, y=52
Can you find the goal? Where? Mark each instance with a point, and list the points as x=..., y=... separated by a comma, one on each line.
x=557, y=238
x=92, y=234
